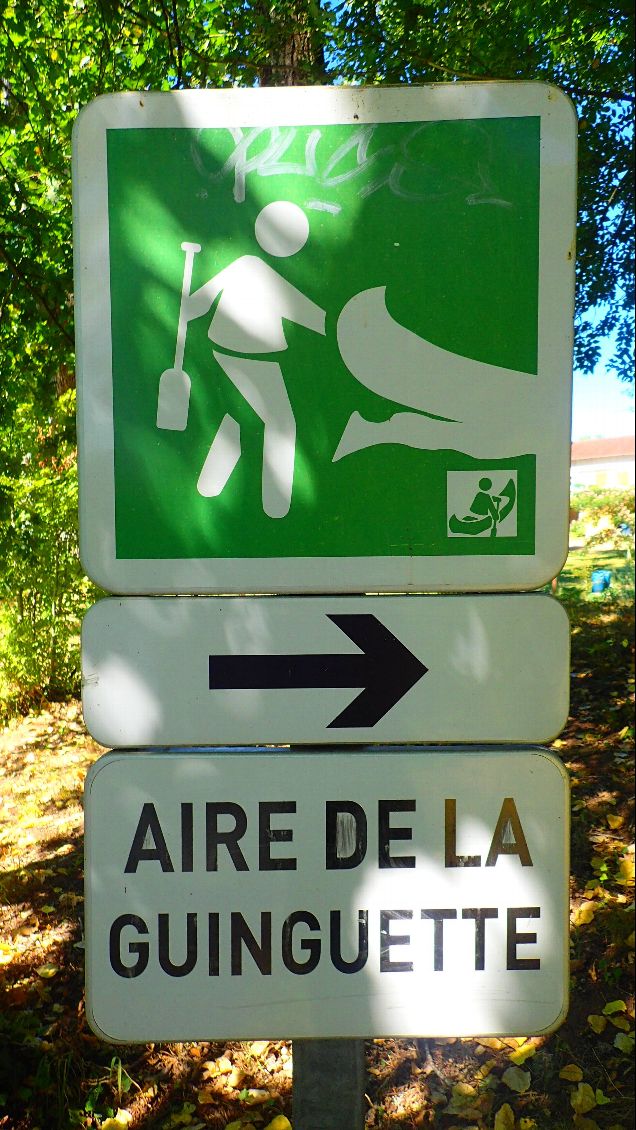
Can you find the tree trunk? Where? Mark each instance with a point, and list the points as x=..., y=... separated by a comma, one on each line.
x=296, y=56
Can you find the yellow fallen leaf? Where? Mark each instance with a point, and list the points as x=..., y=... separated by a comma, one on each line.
x=621, y=1022
x=280, y=1122
x=28, y=929
x=527, y=1124
x=517, y=1080
x=626, y=871
x=48, y=970
x=463, y=1091
x=214, y=1067
x=522, y=1054
x=466, y=1102
x=583, y=1099
x=584, y=914
x=597, y=1023
x=593, y=891
x=6, y=953
x=236, y=1125
x=614, y=821
x=572, y=1072
x=504, y=1118
x=486, y=1068
x=256, y=1095
x=614, y=1006
x=462, y=1099
x=258, y=1047
x=122, y=1119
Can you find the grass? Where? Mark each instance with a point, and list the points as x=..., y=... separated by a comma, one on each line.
x=575, y=579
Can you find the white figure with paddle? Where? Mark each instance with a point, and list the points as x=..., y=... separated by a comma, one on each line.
x=246, y=326
x=452, y=401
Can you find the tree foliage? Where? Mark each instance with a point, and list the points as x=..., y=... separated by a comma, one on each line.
x=605, y=514
x=57, y=55
x=42, y=584
x=586, y=49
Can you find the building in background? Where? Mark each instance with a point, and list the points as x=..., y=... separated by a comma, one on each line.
x=602, y=474
x=605, y=463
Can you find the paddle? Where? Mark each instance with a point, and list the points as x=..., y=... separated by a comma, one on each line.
x=174, y=384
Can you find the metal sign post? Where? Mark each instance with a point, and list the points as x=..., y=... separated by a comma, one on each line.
x=396, y=421
x=329, y=1084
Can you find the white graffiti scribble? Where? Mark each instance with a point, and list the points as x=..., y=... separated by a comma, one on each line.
x=323, y=206
x=263, y=150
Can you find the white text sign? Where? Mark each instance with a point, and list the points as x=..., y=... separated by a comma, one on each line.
x=350, y=895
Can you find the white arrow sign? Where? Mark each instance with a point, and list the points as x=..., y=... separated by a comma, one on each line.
x=201, y=671
x=279, y=894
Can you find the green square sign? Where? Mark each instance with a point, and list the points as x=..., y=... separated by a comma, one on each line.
x=324, y=338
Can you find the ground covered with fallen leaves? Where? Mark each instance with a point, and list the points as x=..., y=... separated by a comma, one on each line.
x=55, y=1074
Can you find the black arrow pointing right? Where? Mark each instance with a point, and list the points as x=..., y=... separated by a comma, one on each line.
x=385, y=668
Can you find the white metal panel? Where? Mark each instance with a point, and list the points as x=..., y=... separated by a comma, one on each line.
x=550, y=423
x=320, y=862
x=200, y=670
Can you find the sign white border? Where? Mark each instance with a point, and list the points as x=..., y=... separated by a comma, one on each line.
x=307, y=106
